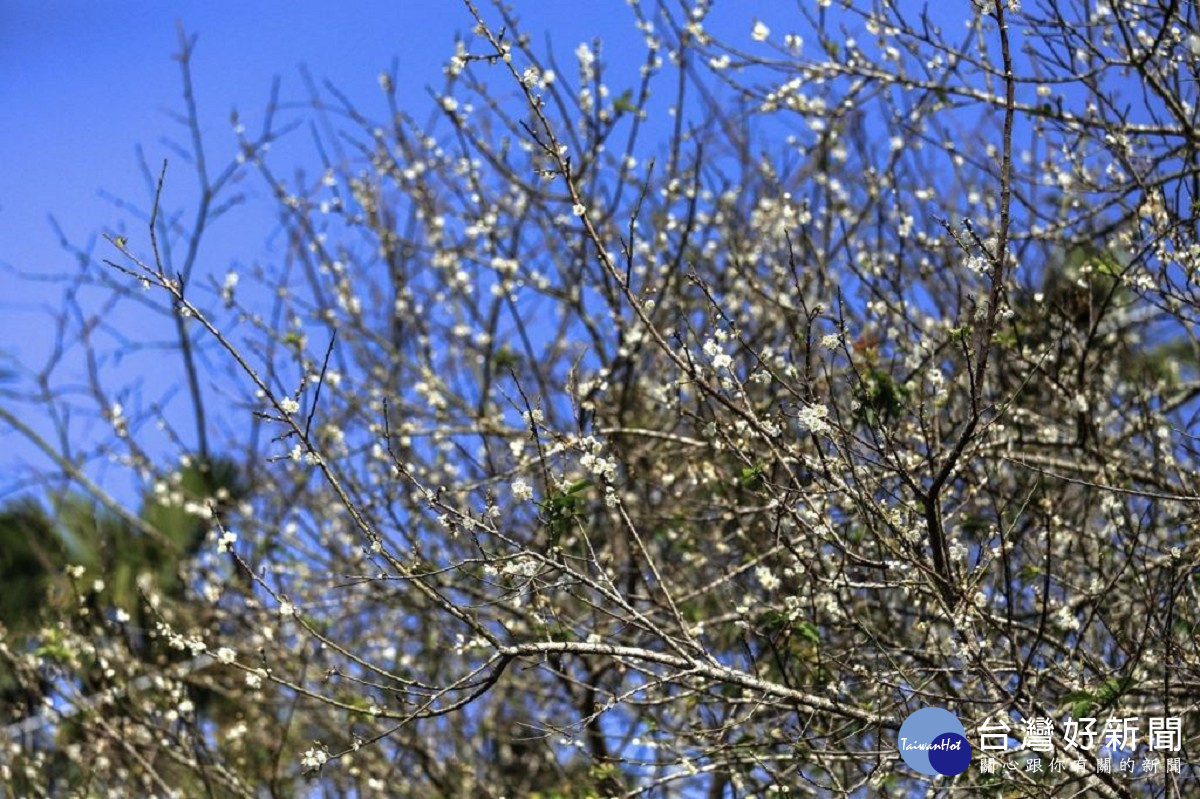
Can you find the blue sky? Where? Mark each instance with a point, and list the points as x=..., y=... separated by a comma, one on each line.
x=86, y=83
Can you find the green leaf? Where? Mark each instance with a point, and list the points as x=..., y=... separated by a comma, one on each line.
x=579, y=485
x=562, y=508
x=624, y=103
x=880, y=398
x=1113, y=688
x=505, y=359
x=53, y=647
x=1007, y=338
x=770, y=621
x=808, y=631
x=1081, y=703
x=752, y=476
x=1084, y=702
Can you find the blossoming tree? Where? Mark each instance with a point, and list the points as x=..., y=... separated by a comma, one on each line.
x=568, y=452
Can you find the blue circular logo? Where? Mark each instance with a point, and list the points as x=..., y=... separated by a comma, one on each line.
x=932, y=741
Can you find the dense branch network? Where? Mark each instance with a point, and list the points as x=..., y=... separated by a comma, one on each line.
x=565, y=451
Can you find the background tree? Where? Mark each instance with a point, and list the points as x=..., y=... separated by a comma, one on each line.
x=579, y=464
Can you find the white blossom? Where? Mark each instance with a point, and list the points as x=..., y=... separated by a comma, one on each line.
x=314, y=758
x=521, y=490
x=814, y=417
x=766, y=578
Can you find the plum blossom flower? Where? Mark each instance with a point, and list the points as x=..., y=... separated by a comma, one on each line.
x=814, y=417
x=767, y=578
x=314, y=758
x=521, y=490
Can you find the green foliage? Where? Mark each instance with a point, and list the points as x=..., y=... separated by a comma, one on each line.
x=752, y=476
x=808, y=631
x=1083, y=703
x=52, y=648
x=217, y=484
x=562, y=508
x=118, y=554
x=31, y=558
x=880, y=398
x=1102, y=261
x=1006, y=338
x=1163, y=363
x=1085, y=286
x=1029, y=572
x=624, y=103
x=505, y=359
x=35, y=550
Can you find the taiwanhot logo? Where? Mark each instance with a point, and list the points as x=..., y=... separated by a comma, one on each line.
x=932, y=741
